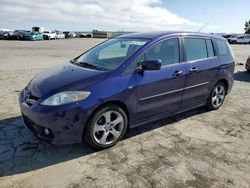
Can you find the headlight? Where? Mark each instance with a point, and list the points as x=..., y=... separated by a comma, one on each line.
x=65, y=97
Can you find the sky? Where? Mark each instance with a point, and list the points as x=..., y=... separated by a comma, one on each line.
x=224, y=16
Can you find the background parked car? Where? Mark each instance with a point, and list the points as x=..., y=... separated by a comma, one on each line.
x=33, y=36
x=60, y=35
x=69, y=34
x=17, y=35
x=230, y=38
x=86, y=35
x=226, y=36
x=49, y=35
x=242, y=39
x=248, y=64
x=4, y=34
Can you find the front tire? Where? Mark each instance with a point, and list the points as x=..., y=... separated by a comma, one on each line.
x=217, y=96
x=106, y=127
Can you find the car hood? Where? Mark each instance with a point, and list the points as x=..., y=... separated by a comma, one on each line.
x=63, y=78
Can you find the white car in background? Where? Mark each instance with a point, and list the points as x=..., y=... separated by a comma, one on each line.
x=230, y=38
x=241, y=39
x=60, y=35
x=49, y=35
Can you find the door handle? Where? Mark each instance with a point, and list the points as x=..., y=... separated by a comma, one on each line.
x=177, y=73
x=194, y=69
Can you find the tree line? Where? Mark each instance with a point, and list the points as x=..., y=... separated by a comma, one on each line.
x=247, y=27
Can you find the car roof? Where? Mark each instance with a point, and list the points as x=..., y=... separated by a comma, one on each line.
x=158, y=34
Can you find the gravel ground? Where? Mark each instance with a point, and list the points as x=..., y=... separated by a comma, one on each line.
x=199, y=148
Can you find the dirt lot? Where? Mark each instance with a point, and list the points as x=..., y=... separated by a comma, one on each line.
x=195, y=149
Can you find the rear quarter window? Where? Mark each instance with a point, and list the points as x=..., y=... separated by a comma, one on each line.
x=223, y=48
x=210, y=49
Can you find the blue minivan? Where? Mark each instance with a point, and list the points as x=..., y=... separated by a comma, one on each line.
x=126, y=82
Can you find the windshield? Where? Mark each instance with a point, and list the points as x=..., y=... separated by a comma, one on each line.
x=110, y=54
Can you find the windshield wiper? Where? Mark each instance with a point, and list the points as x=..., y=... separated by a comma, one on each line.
x=87, y=65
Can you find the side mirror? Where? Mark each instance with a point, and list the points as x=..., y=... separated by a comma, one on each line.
x=151, y=64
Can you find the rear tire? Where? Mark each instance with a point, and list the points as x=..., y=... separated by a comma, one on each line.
x=106, y=127
x=217, y=96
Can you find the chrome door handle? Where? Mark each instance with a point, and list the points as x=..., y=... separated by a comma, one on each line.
x=194, y=69
x=177, y=73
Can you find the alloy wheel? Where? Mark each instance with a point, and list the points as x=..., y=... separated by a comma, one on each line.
x=108, y=127
x=218, y=96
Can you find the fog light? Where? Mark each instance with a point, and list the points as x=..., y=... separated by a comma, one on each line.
x=46, y=131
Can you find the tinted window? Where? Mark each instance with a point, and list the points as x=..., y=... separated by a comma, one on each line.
x=222, y=47
x=195, y=49
x=167, y=51
x=210, y=49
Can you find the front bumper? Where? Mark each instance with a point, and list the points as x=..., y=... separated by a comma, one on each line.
x=65, y=125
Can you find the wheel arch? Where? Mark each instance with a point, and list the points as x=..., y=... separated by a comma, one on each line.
x=114, y=102
x=225, y=82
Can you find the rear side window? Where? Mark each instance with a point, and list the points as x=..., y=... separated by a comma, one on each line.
x=222, y=47
x=195, y=49
x=210, y=49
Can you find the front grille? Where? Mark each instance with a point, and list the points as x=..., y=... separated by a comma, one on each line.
x=33, y=97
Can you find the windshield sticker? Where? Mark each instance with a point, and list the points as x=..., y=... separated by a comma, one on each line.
x=139, y=43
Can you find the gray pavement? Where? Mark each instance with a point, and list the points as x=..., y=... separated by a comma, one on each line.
x=199, y=148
